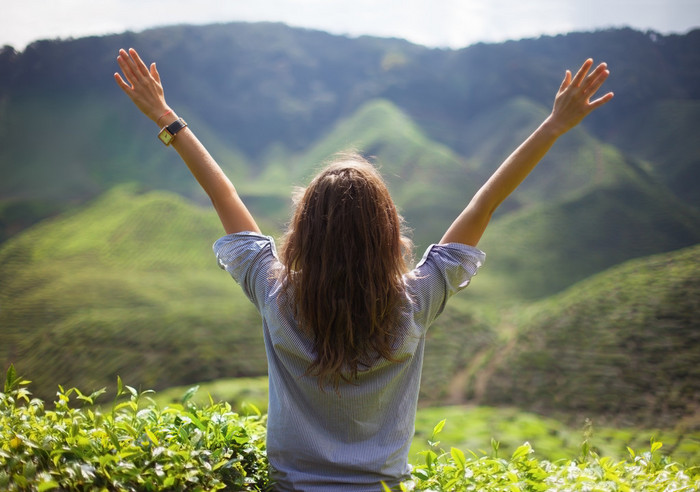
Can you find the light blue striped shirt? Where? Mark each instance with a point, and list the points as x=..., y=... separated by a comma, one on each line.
x=351, y=441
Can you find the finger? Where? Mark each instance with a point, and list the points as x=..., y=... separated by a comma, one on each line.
x=565, y=83
x=601, y=100
x=582, y=72
x=126, y=64
x=595, y=75
x=140, y=65
x=592, y=85
x=154, y=72
x=127, y=79
x=120, y=82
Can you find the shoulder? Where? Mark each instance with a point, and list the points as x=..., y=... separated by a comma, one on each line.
x=243, y=246
x=251, y=259
x=444, y=270
x=457, y=258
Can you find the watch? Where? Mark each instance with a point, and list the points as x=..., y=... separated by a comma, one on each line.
x=167, y=133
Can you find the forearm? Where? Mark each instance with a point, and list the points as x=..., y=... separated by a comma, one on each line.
x=513, y=171
x=472, y=222
x=143, y=86
x=571, y=104
x=201, y=164
x=233, y=214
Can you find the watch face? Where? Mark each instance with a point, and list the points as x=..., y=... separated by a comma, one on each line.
x=165, y=136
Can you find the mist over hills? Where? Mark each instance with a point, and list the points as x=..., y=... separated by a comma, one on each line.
x=120, y=273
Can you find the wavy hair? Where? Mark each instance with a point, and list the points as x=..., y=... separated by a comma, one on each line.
x=345, y=254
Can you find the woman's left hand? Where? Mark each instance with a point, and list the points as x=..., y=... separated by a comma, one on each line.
x=573, y=101
x=142, y=84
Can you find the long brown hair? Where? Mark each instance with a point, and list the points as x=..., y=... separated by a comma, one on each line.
x=345, y=254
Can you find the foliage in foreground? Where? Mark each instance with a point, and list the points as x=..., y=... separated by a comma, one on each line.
x=455, y=471
x=136, y=445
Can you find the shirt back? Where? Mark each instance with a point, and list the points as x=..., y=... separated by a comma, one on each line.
x=358, y=436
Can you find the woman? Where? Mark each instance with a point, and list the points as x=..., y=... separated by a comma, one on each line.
x=343, y=317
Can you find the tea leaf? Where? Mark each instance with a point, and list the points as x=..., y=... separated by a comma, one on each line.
x=10, y=378
x=458, y=457
x=438, y=428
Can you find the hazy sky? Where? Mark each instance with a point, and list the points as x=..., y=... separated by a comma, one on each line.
x=445, y=23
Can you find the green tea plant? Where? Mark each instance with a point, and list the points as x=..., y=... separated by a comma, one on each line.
x=135, y=445
x=455, y=471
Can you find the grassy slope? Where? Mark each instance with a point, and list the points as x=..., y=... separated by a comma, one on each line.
x=127, y=286
x=623, y=344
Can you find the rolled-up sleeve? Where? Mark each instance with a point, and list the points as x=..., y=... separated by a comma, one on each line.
x=248, y=257
x=444, y=270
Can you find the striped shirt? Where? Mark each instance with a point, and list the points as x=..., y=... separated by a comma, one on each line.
x=354, y=439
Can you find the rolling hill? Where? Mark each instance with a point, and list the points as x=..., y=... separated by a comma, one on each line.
x=126, y=286
x=600, y=207
x=622, y=345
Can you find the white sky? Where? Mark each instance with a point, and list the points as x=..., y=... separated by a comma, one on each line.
x=443, y=23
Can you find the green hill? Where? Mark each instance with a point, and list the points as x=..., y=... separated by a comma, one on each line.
x=126, y=286
x=539, y=251
x=623, y=345
x=428, y=181
x=578, y=161
x=620, y=213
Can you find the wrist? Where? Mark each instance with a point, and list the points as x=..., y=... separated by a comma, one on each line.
x=166, y=116
x=168, y=132
x=552, y=128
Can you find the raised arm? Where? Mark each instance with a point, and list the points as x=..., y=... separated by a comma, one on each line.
x=142, y=84
x=571, y=105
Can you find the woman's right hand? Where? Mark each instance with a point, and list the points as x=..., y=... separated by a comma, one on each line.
x=142, y=84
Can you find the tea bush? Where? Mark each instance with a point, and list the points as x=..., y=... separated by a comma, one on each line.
x=135, y=445
x=454, y=471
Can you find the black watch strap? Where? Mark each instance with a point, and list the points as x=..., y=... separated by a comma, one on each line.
x=176, y=126
x=167, y=133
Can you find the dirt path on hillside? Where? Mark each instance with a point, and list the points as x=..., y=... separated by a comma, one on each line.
x=480, y=369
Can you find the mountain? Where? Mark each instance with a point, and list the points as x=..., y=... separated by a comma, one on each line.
x=428, y=181
x=264, y=92
x=601, y=208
